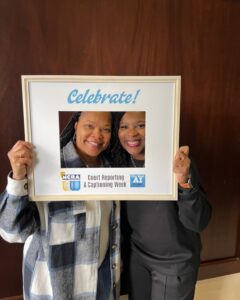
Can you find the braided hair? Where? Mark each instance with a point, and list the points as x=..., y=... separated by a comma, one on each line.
x=68, y=134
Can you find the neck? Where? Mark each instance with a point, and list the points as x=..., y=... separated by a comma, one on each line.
x=90, y=161
x=140, y=156
x=93, y=164
x=137, y=162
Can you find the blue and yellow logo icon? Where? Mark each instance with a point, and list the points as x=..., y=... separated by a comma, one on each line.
x=70, y=182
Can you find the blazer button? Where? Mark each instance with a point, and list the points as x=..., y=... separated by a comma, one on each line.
x=114, y=266
x=114, y=246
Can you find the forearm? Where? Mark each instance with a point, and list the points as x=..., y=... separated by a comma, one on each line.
x=18, y=217
x=194, y=208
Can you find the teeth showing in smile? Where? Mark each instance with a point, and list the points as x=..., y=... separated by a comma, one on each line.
x=134, y=143
x=93, y=144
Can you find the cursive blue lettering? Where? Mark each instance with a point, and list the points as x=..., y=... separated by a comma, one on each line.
x=89, y=97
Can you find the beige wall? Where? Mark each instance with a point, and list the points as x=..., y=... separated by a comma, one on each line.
x=219, y=288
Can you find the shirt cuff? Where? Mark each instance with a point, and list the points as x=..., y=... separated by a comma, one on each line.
x=186, y=194
x=17, y=187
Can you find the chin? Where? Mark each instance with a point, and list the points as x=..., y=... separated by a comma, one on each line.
x=134, y=151
x=94, y=154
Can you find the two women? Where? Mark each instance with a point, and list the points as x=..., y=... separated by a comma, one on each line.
x=71, y=246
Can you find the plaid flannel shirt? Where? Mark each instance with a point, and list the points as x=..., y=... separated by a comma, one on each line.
x=61, y=247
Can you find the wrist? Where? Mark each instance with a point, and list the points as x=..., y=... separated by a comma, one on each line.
x=17, y=187
x=187, y=184
x=18, y=176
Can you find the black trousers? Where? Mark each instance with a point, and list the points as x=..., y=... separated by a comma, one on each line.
x=149, y=283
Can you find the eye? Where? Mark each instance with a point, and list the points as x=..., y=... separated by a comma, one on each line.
x=141, y=126
x=107, y=130
x=123, y=126
x=89, y=126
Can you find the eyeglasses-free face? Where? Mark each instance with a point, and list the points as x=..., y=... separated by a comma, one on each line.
x=131, y=134
x=93, y=133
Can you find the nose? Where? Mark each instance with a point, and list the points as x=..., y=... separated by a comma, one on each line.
x=97, y=133
x=132, y=131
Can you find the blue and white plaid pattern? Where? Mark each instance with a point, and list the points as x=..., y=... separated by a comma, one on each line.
x=70, y=158
x=61, y=244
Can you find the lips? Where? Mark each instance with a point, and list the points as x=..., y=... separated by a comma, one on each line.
x=94, y=144
x=133, y=143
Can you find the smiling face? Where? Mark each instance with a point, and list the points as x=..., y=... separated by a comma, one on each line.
x=131, y=134
x=93, y=134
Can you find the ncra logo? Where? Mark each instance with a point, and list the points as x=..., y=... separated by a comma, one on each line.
x=70, y=182
x=137, y=180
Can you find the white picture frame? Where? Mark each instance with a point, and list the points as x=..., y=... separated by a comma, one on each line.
x=44, y=97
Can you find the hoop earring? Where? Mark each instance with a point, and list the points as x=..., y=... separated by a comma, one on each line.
x=74, y=138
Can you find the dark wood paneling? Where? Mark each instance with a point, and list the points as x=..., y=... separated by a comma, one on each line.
x=10, y=269
x=13, y=298
x=219, y=267
x=197, y=39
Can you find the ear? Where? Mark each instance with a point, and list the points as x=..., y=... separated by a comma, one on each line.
x=75, y=125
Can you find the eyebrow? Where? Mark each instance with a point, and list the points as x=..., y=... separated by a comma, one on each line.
x=107, y=124
x=126, y=122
